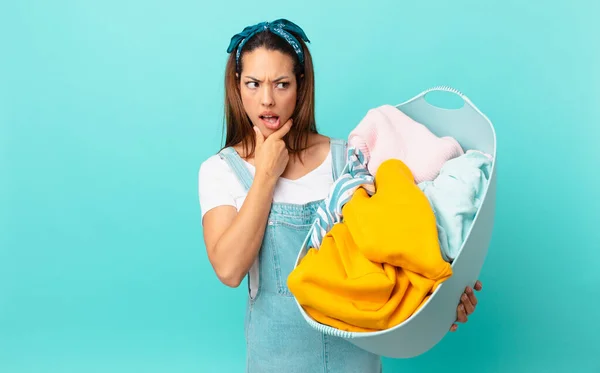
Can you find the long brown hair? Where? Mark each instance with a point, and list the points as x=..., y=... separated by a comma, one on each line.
x=238, y=124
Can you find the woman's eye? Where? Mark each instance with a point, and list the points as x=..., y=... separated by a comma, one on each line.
x=250, y=84
x=283, y=85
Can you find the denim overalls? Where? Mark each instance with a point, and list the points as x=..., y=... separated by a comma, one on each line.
x=278, y=339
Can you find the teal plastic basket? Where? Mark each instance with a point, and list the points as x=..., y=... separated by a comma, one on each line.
x=426, y=327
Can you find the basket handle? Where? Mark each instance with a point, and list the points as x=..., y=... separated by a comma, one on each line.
x=444, y=88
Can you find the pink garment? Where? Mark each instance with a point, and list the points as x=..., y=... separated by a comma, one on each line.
x=386, y=132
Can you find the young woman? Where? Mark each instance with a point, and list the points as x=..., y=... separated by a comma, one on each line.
x=259, y=196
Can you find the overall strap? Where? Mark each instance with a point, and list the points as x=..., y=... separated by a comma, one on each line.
x=339, y=156
x=236, y=163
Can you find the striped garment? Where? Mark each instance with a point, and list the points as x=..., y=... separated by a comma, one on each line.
x=354, y=175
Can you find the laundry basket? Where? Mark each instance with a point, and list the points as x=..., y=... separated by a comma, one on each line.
x=428, y=325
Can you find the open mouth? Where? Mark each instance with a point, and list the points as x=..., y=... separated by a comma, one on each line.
x=270, y=121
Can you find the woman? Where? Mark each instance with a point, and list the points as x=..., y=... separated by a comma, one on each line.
x=258, y=197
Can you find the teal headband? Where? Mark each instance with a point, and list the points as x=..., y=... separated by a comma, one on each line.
x=281, y=27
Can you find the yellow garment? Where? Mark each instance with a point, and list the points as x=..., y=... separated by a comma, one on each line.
x=380, y=264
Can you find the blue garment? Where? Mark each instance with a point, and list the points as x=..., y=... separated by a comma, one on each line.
x=455, y=196
x=354, y=175
x=278, y=338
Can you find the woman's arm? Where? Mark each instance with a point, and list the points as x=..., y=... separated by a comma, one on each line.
x=233, y=238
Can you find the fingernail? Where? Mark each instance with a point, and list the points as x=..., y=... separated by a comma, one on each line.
x=464, y=297
x=469, y=290
x=462, y=308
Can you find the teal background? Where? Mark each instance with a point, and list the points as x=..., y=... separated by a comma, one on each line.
x=108, y=108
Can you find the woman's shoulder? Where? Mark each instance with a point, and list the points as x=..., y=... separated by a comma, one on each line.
x=323, y=144
x=319, y=142
x=213, y=168
x=212, y=161
x=323, y=140
x=318, y=139
x=217, y=184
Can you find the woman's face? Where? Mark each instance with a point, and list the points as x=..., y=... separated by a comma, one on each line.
x=268, y=88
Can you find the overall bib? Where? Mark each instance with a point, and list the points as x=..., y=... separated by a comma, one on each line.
x=278, y=339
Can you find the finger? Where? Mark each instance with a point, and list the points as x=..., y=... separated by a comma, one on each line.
x=478, y=285
x=260, y=139
x=461, y=315
x=453, y=327
x=283, y=130
x=471, y=295
x=469, y=307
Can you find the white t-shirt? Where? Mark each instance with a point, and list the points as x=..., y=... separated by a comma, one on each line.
x=218, y=185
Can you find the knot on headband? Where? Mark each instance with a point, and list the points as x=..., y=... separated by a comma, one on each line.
x=281, y=27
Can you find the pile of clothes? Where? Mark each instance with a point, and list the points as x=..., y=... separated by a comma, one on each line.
x=392, y=224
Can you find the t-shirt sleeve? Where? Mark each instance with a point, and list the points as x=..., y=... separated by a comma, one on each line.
x=213, y=181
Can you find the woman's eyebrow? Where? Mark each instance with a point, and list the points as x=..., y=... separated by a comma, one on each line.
x=260, y=81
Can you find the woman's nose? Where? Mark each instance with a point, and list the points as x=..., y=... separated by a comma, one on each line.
x=267, y=97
